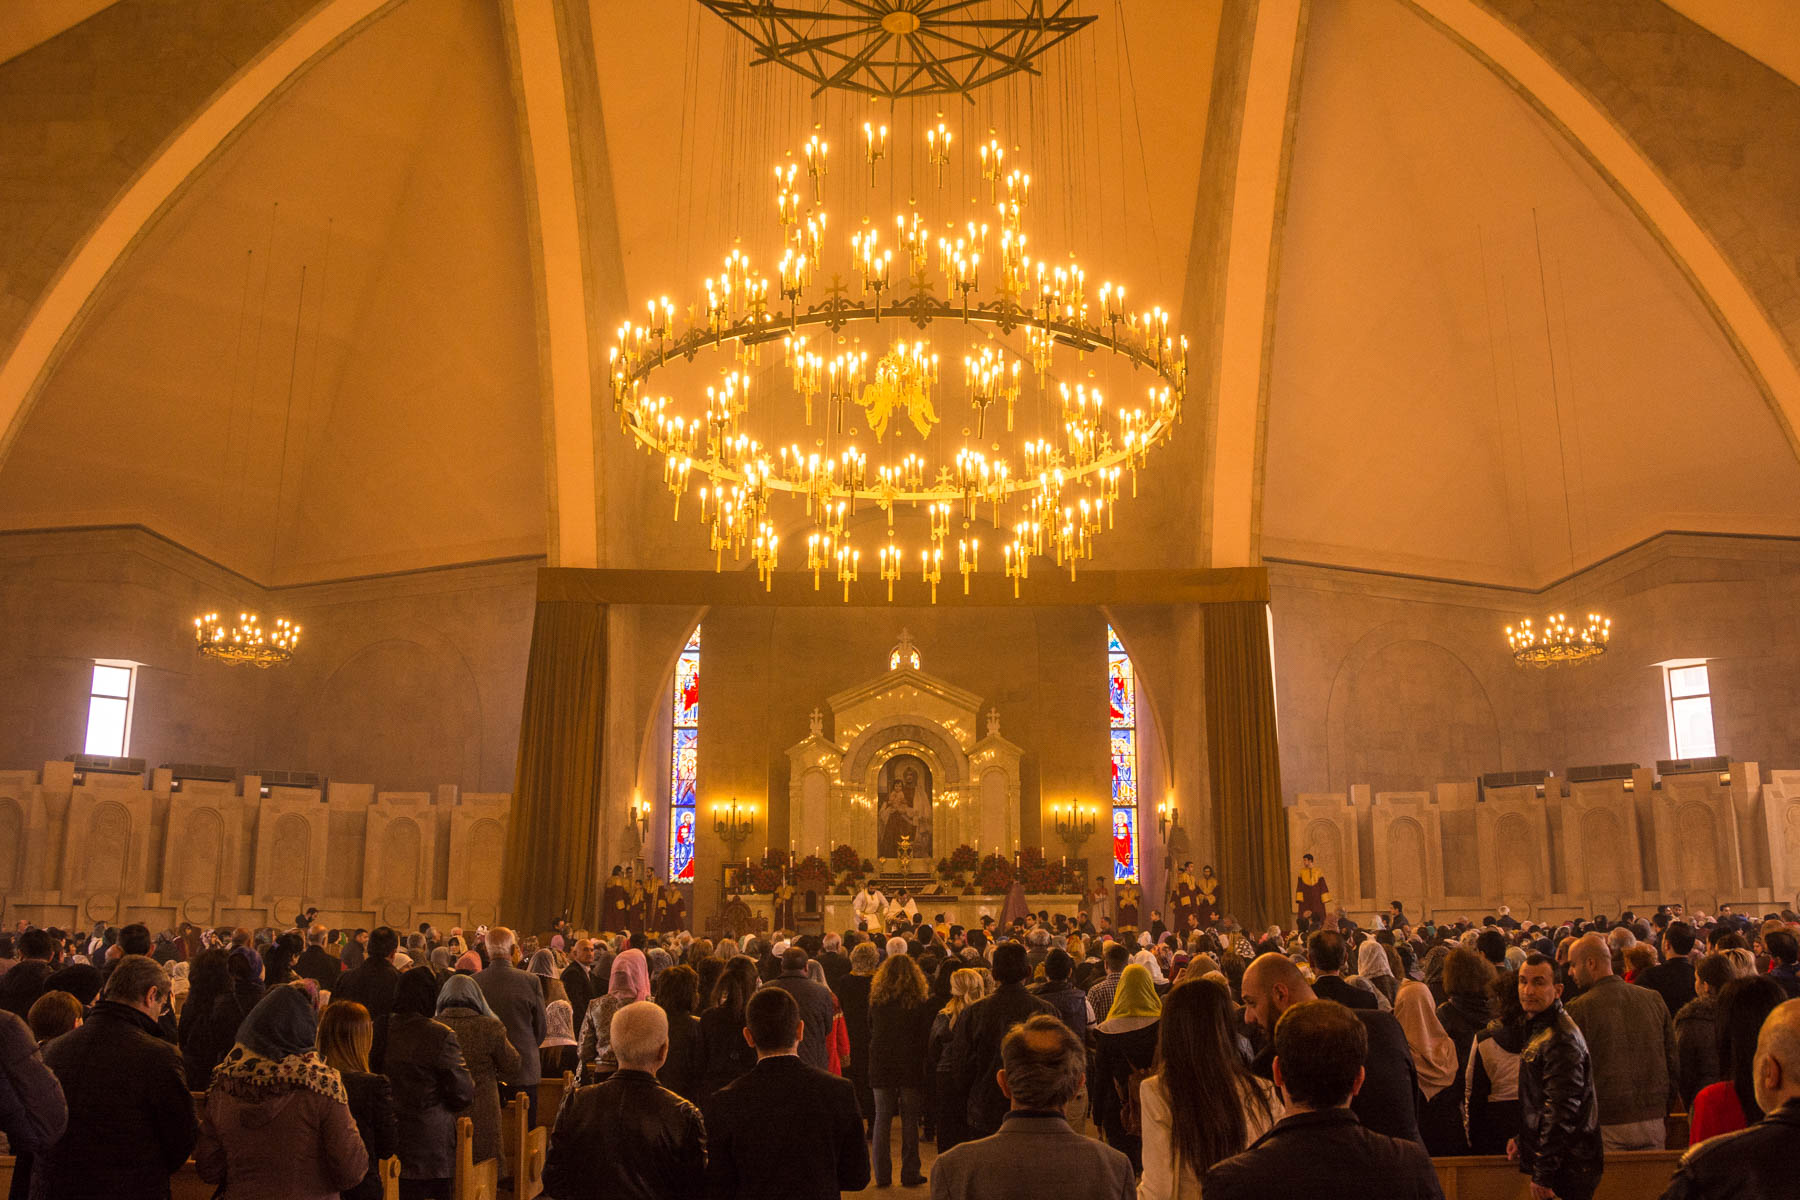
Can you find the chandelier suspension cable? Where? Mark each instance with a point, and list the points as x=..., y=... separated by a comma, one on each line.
x=1562, y=452
x=1559, y=642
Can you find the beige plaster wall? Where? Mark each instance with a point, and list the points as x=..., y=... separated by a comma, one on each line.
x=1403, y=684
x=86, y=109
x=406, y=682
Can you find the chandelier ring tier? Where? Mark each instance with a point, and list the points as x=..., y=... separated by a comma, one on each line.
x=1053, y=494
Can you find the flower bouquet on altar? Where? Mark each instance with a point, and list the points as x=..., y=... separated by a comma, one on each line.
x=765, y=879
x=955, y=869
x=994, y=876
x=813, y=874
x=846, y=863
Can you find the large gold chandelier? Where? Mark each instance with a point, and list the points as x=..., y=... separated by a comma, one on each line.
x=1045, y=447
x=1558, y=643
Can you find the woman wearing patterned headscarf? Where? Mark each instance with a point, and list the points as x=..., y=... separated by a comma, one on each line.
x=628, y=983
x=276, y=1123
x=543, y=965
x=1372, y=964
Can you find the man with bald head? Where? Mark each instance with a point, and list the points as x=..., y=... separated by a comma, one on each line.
x=1755, y=1163
x=1385, y=1103
x=1631, y=1038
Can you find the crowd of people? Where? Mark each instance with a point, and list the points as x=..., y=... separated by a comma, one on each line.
x=780, y=1065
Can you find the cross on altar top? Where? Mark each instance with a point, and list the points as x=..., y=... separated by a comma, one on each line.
x=904, y=653
x=818, y=723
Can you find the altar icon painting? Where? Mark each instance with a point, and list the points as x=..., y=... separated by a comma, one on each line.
x=903, y=809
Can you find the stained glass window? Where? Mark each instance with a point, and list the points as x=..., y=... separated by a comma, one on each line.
x=684, y=761
x=1121, y=689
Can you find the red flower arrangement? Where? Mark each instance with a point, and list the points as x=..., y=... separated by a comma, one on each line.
x=813, y=872
x=765, y=879
x=994, y=876
x=845, y=858
x=964, y=858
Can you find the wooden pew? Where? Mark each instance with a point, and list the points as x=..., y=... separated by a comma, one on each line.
x=473, y=1180
x=525, y=1149
x=186, y=1183
x=550, y=1097
x=1629, y=1175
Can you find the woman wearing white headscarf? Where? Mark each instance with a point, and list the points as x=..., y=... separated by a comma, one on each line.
x=1372, y=964
x=1147, y=960
x=1434, y=1055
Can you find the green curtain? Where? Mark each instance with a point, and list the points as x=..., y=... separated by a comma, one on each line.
x=1249, y=824
x=552, y=839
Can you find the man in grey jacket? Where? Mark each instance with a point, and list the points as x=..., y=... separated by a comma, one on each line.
x=1632, y=1040
x=1036, y=1153
x=517, y=998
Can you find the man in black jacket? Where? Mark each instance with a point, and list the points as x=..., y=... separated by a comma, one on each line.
x=1559, y=1142
x=817, y=1006
x=973, y=1056
x=1325, y=953
x=23, y=983
x=1755, y=1163
x=373, y=985
x=317, y=963
x=131, y=1120
x=1388, y=1100
x=1673, y=977
x=784, y=1131
x=629, y=1138
x=1319, y=1148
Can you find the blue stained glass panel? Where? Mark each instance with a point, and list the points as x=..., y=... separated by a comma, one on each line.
x=684, y=767
x=1113, y=645
x=1125, y=844
x=681, y=847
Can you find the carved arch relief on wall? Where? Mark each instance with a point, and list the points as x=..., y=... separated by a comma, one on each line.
x=202, y=856
x=400, y=849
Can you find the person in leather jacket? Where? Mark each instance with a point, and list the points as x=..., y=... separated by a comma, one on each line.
x=1755, y=1163
x=629, y=1138
x=1559, y=1135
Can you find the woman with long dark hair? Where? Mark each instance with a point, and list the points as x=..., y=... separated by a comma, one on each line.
x=725, y=1054
x=1203, y=1105
x=1730, y=1104
x=208, y=979
x=677, y=992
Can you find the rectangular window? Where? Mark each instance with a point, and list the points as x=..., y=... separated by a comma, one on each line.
x=1687, y=690
x=110, y=697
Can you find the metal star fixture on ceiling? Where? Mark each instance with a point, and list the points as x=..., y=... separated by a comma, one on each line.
x=896, y=48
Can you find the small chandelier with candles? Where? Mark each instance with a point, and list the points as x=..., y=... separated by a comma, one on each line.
x=246, y=642
x=1559, y=642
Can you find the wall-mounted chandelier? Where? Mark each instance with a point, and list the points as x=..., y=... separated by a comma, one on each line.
x=246, y=642
x=1559, y=642
x=1045, y=446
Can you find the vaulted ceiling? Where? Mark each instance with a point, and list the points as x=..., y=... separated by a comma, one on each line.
x=354, y=336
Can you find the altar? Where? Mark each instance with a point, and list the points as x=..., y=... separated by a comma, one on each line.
x=902, y=771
